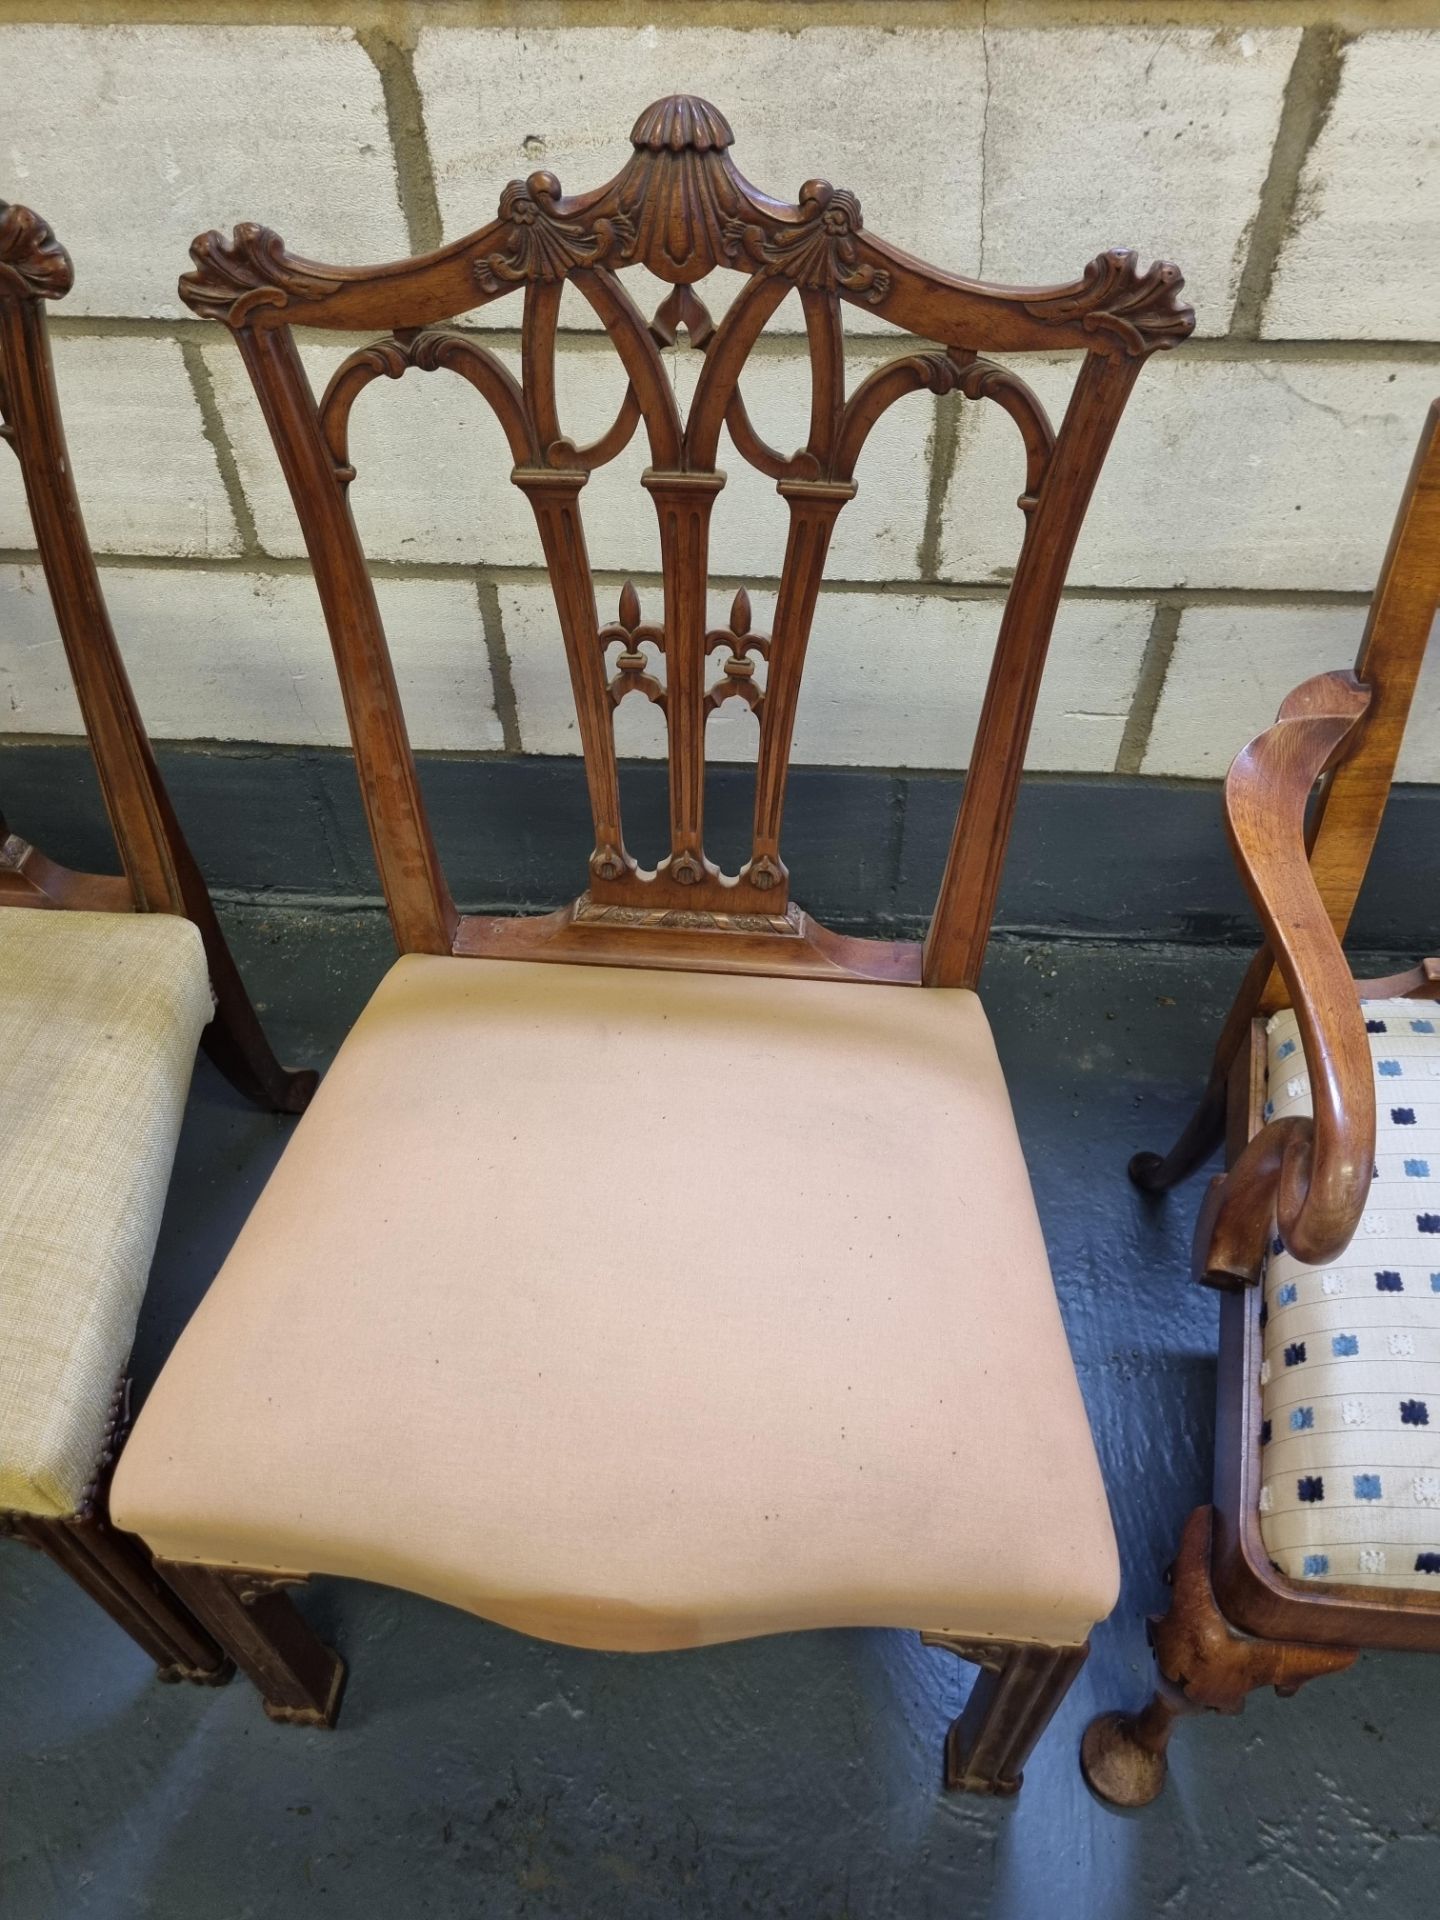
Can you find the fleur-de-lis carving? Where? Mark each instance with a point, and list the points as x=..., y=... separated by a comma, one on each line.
x=632, y=667
x=738, y=680
x=820, y=252
x=543, y=246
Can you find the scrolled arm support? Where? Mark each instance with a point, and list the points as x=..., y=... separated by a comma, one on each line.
x=1305, y=1178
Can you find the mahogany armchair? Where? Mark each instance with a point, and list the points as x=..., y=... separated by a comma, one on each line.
x=499, y=1329
x=1323, y=1536
x=105, y=992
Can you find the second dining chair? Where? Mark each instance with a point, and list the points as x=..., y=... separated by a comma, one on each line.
x=107, y=983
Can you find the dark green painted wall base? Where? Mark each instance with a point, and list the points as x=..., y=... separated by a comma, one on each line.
x=1129, y=858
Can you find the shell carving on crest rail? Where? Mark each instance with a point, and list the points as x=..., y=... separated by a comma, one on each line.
x=542, y=245
x=820, y=253
x=681, y=209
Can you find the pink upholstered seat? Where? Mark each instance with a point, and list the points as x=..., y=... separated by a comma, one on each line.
x=639, y=1310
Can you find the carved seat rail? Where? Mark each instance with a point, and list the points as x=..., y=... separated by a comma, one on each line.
x=681, y=209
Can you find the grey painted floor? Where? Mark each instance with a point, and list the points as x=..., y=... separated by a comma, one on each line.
x=479, y=1774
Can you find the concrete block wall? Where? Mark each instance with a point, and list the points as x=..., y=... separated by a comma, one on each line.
x=1287, y=156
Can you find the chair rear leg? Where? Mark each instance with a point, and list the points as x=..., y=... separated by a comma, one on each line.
x=1011, y=1704
x=234, y=1039
x=299, y=1679
x=1203, y=1664
x=236, y=1043
x=117, y=1572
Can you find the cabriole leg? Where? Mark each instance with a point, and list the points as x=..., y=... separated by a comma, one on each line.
x=299, y=1679
x=1203, y=1663
x=1010, y=1706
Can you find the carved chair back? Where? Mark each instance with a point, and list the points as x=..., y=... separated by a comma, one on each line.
x=680, y=208
x=158, y=874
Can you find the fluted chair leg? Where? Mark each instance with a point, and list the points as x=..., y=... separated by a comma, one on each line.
x=300, y=1680
x=118, y=1574
x=1011, y=1704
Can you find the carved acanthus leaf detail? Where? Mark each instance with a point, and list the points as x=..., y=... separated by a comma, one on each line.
x=820, y=252
x=542, y=245
x=1142, y=310
x=251, y=269
x=29, y=248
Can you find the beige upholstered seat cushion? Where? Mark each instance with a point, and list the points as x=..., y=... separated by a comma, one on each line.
x=1351, y=1375
x=640, y=1309
x=99, y=1018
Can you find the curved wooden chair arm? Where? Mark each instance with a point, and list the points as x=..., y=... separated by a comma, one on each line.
x=1308, y=1179
x=1348, y=812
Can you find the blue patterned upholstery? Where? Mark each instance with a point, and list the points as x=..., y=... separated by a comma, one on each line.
x=1351, y=1375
